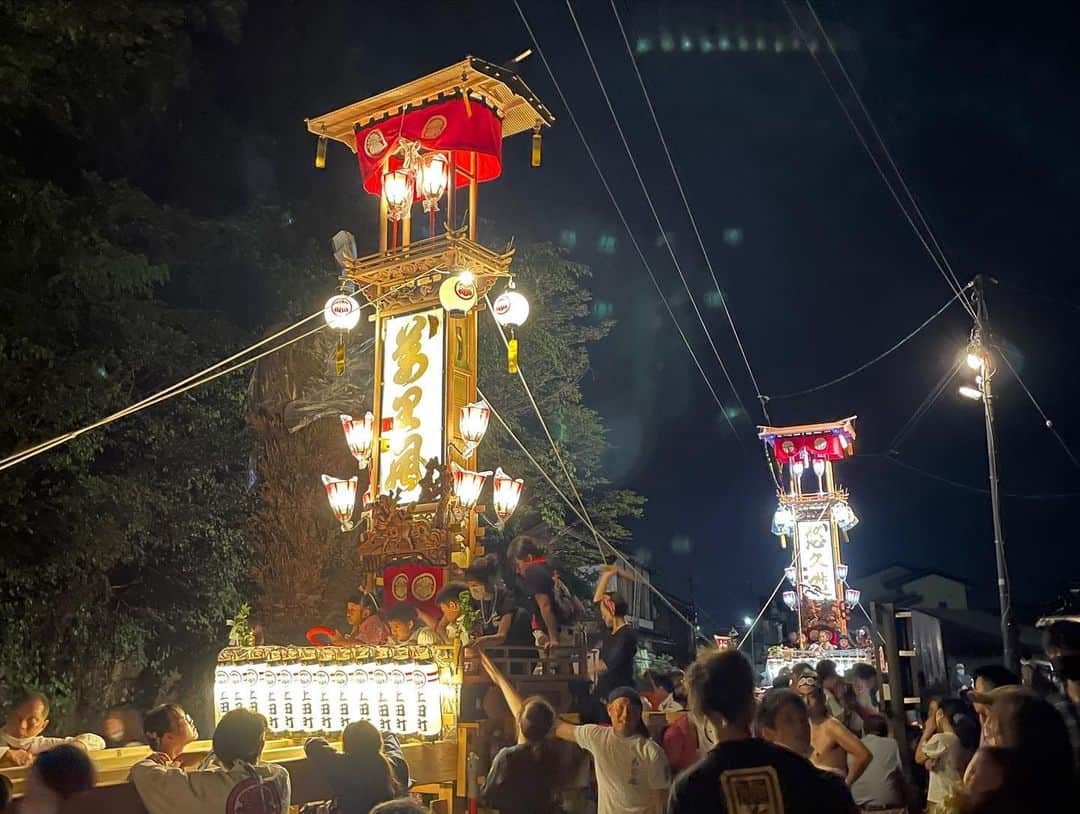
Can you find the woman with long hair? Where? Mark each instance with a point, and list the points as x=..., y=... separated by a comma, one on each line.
x=526, y=778
x=371, y=768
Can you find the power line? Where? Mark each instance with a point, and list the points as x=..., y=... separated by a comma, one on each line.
x=693, y=221
x=873, y=361
x=622, y=218
x=1049, y=424
x=946, y=271
x=967, y=487
x=652, y=207
x=183, y=386
x=573, y=508
x=547, y=432
x=149, y=402
x=924, y=406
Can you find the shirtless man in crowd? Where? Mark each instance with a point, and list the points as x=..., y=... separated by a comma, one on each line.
x=832, y=742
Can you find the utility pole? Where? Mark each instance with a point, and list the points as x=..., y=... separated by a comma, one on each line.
x=982, y=342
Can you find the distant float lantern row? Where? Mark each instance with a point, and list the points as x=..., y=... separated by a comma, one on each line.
x=813, y=513
x=412, y=512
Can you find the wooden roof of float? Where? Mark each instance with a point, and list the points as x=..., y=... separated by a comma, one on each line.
x=519, y=108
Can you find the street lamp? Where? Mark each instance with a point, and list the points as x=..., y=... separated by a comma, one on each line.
x=969, y=392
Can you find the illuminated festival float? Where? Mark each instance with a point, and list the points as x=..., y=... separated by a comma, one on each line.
x=423, y=148
x=814, y=515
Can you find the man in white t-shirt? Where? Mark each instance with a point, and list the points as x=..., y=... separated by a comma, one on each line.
x=21, y=738
x=882, y=786
x=632, y=772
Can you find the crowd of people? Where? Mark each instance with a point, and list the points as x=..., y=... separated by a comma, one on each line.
x=707, y=739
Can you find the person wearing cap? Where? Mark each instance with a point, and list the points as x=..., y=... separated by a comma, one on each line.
x=1025, y=763
x=632, y=773
x=741, y=772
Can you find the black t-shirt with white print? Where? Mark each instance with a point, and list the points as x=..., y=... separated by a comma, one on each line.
x=756, y=777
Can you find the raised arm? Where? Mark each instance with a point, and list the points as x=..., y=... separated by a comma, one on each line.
x=513, y=700
x=606, y=574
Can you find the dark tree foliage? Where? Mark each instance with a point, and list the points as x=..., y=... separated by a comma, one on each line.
x=122, y=270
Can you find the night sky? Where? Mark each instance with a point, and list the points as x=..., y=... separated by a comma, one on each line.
x=819, y=267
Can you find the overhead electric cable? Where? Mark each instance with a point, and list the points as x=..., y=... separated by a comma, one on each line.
x=1049, y=424
x=547, y=432
x=945, y=272
x=652, y=208
x=178, y=388
x=881, y=142
x=693, y=221
x=149, y=402
x=966, y=486
x=623, y=220
x=873, y=361
x=931, y=398
x=543, y=472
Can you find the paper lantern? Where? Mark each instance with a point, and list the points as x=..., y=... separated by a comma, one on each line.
x=342, y=313
x=783, y=522
x=791, y=599
x=431, y=177
x=359, y=436
x=342, y=497
x=841, y=572
x=398, y=192
x=791, y=572
x=457, y=294
x=473, y=423
x=511, y=308
x=851, y=596
x=468, y=484
x=844, y=516
x=507, y=493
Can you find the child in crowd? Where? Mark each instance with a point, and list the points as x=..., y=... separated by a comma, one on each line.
x=949, y=738
x=168, y=730
x=371, y=770
x=21, y=738
x=241, y=782
x=366, y=626
x=58, y=774
x=406, y=627
x=445, y=629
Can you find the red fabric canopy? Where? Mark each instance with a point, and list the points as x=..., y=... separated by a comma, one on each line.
x=825, y=445
x=449, y=126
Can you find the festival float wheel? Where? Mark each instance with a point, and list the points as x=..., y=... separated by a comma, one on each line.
x=320, y=636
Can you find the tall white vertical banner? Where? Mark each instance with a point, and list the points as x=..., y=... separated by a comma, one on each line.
x=816, y=565
x=414, y=350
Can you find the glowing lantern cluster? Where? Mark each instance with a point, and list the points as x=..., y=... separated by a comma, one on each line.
x=425, y=175
x=342, y=497
x=359, y=436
